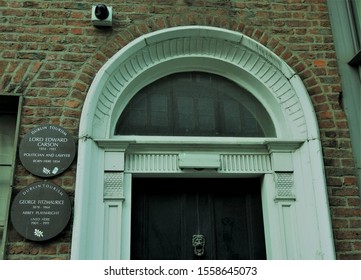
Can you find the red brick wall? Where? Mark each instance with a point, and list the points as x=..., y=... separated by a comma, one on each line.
x=50, y=53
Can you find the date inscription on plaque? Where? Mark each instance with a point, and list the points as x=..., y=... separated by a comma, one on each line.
x=47, y=150
x=40, y=211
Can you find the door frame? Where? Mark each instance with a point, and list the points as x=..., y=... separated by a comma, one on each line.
x=294, y=196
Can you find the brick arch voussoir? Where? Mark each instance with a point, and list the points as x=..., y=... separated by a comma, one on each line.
x=156, y=23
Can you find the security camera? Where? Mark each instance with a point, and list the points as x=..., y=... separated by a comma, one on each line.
x=102, y=15
x=101, y=11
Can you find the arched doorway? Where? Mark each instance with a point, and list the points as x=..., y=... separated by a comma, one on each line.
x=287, y=160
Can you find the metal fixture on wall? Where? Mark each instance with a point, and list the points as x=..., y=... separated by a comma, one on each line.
x=102, y=15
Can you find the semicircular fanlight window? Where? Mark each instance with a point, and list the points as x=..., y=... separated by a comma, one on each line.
x=195, y=104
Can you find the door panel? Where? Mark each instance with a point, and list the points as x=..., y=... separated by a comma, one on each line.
x=167, y=212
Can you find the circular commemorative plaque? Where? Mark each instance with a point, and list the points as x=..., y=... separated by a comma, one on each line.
x=47, y=150
x=40, y=211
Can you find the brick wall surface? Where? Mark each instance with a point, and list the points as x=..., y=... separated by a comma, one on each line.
x=50, y=53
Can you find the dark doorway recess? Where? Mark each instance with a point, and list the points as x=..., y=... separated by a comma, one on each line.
x=168, y=212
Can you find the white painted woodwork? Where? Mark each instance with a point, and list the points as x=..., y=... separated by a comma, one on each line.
x=294, y=197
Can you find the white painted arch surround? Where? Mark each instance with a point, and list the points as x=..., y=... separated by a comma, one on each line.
x=294, y=197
